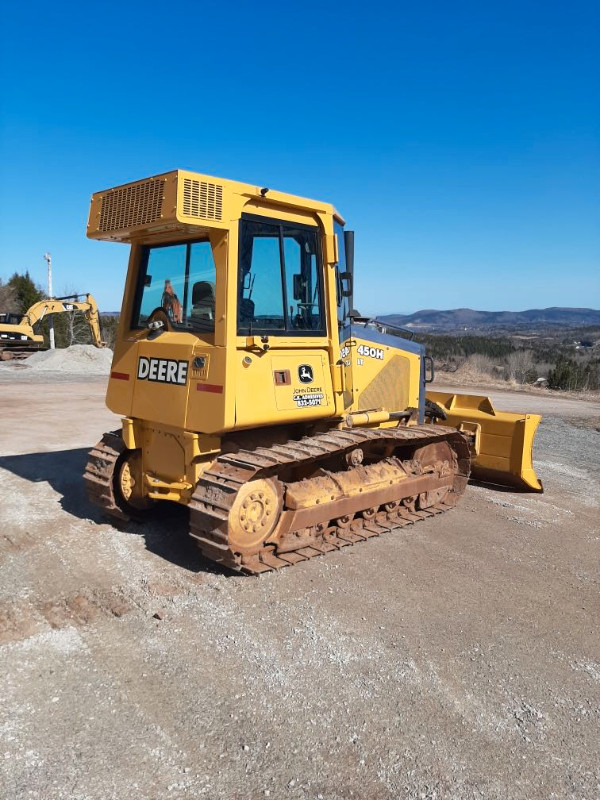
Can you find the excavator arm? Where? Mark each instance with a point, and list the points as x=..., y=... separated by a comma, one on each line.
x=37, y=312
x=93, y=319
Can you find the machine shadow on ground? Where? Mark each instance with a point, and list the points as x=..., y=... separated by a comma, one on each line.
x=165, y=533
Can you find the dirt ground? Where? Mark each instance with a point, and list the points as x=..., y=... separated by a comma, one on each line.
x=457, y=658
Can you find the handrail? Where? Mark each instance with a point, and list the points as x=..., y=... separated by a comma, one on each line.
x=385, y=327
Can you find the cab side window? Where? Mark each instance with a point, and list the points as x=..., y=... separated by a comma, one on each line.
x=279, y=282
x=343, y=303
x=179, y=281
x=260, y=297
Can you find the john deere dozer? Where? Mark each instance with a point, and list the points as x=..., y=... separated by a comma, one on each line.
x=252, y=393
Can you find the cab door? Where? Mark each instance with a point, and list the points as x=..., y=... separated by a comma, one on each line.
x=283, y=372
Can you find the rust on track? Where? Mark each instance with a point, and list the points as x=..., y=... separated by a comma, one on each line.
x=312, y=531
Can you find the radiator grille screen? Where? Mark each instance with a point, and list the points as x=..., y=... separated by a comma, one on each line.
x=130, y=206
x=202, y=200
x=389, y=389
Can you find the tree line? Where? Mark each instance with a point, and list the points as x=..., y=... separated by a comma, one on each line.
x=551, y=357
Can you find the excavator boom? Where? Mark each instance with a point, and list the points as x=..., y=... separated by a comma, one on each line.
x=21, y=334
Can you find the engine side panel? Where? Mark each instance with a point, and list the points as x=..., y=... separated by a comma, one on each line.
x=386, y=372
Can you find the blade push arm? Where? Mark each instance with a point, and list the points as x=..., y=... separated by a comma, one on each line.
x=504, y=440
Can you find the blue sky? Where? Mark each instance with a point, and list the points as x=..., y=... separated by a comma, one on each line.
x=460, y=140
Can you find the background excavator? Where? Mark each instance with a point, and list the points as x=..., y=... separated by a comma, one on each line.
x=252, y=393
x=18, y=338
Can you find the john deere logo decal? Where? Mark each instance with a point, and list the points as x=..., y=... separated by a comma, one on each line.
x=305, y=373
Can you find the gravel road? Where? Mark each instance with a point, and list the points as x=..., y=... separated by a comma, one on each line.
x=458, y=658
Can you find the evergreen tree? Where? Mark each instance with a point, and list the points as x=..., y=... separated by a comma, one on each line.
x=568, y=374
x=27, y=293
x=9, y=303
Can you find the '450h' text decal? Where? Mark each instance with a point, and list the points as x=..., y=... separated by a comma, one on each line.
x=364, y=350
x=370, y=352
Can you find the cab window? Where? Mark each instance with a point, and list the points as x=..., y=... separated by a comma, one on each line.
x=179, y=280
x=279, y=283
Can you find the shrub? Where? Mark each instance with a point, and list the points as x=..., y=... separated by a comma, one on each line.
x=520, y=365
x=571, y=376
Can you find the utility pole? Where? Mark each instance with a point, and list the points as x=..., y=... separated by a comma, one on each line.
x=51, y=331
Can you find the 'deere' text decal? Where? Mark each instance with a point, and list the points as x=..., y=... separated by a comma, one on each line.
x=162, y=370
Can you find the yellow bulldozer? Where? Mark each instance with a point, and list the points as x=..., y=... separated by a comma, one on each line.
x=18, y=338
x=253, y=393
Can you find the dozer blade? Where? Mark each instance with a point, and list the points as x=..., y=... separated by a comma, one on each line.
x=503, y=440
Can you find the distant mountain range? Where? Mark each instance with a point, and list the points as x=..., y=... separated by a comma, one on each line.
x=455, y=319
x=460, y=318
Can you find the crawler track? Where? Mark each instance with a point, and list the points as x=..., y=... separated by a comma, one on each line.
x=18, y=353
x=216, y=492
x=99, y=474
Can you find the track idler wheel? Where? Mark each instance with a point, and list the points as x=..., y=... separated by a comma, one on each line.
x=254, y=515
x=128, y=483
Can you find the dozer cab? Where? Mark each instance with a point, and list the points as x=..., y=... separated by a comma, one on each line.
x=252, y=393
x=17, y=331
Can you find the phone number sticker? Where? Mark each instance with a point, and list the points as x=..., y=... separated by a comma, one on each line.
x=304, y=399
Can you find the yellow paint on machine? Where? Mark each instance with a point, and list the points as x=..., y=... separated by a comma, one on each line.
x=383, y=377
x=504, y=439
x=270, y=387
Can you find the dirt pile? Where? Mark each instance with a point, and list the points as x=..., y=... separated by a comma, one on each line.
x=79, y=358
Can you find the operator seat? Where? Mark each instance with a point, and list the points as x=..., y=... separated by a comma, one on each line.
x=203, y=304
